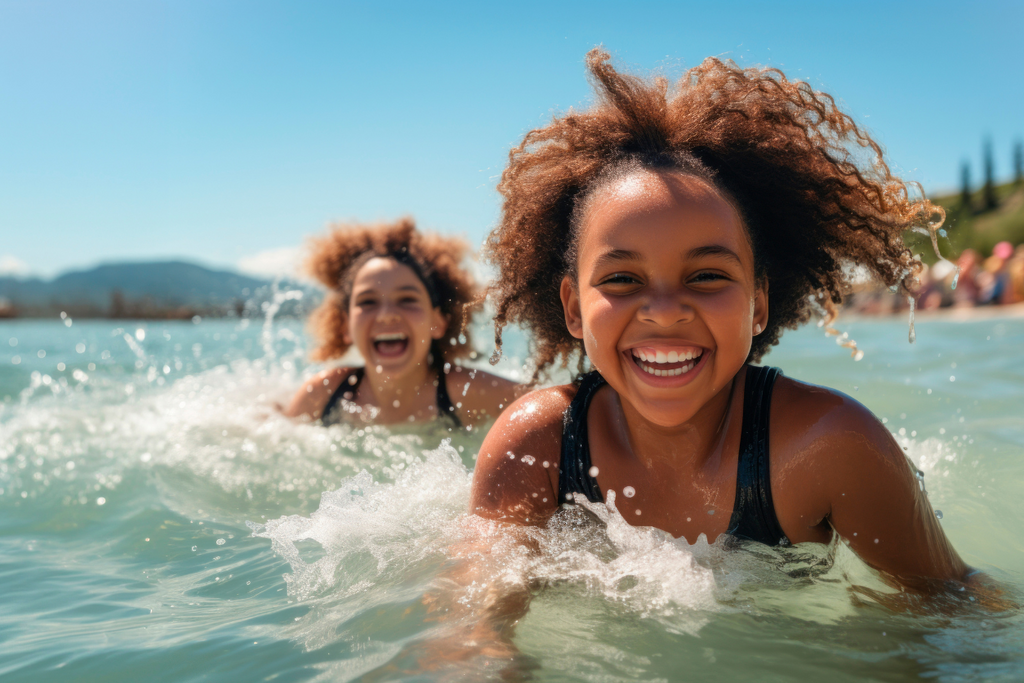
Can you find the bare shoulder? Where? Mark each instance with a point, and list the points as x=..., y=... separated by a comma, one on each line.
x=480, y=395
x=310, y=400
x=516, y=475
x=827, y=448
x=811, y=419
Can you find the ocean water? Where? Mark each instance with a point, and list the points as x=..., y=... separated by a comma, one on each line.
x=160, y=521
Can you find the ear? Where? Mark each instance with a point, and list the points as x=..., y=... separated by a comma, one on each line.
x=571, y=307
x=438, y=323
x=760, y=318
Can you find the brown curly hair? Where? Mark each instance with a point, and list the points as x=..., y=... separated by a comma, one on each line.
x=336, y=258
x=813, y=190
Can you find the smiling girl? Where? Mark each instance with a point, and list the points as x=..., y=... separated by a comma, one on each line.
x=400, y=297
x=667, y=237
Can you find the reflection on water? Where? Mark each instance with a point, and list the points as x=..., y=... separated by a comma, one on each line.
x=137, y=460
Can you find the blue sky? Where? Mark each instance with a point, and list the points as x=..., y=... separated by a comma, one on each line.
x=225, y=132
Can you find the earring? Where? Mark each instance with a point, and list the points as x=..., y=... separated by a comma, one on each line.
x=757, y=329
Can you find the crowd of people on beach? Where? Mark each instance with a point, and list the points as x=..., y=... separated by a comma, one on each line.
x=974, y=280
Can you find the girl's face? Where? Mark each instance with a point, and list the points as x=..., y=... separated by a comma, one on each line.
x=666, y=301
x=390, y=318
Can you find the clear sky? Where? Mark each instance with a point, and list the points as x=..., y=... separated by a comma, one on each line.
x=224, y=132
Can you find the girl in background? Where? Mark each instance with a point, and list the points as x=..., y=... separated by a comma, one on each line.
x=401, y=298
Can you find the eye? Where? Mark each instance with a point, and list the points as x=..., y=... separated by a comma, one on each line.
x=707, y=276
x=620, y=279
x=366, y=302
x=408, y=301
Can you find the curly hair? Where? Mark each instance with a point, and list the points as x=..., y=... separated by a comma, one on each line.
x=813, y=190
x=336, y=258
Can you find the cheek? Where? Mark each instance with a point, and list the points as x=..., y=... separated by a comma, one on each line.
x=603, y=320
x=728, y=316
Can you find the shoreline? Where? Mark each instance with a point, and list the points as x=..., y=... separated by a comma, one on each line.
x=952, y=314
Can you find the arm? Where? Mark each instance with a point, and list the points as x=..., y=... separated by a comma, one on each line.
x=516, y=474
x=841, y=466
x=483, y=396
x=311, y=398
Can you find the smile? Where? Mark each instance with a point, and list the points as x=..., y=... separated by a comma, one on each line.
x=666, y=362
x=390, y=344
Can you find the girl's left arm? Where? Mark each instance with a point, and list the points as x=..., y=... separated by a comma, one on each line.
x=483, y=396
x=879, y=505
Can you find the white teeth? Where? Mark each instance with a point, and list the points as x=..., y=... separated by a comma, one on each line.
x=661, y=357
x=390, y=336
x=673, y=357
x=667, y=373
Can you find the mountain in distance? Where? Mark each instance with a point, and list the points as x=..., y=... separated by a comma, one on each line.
x=158, y=289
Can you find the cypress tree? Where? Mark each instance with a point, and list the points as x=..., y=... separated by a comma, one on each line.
x=990, y=181
x=1018, y=162
x=965, y=185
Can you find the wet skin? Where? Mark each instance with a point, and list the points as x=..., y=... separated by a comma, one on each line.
x=391, y=322
x=665, y=265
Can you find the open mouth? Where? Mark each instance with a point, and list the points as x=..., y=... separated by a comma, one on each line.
x=390, y=344
x=661, y=362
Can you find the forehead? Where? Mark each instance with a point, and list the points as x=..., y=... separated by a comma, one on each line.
x=382, y=273
x=662, y=213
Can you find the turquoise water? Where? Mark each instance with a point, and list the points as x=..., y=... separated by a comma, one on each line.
x=138, y=459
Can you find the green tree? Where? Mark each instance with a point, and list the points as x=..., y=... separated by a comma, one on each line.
x=965, y=185
x=990, y=173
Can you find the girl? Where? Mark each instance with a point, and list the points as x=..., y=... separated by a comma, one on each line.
x=401, y=298
x=667, y=237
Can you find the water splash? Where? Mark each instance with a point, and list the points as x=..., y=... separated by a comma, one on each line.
x=912, y=337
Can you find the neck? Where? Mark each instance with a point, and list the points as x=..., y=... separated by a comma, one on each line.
x=698, y=443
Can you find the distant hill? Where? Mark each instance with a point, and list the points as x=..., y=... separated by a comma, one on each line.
x=970, y=225
x=161, y=289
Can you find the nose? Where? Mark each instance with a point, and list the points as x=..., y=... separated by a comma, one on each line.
x=387, y=312
x=666, y=307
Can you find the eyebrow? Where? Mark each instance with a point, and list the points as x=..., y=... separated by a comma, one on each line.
x=617, y=256
x=714, y=250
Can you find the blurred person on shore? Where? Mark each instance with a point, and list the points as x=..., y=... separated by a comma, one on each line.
x=966, y=293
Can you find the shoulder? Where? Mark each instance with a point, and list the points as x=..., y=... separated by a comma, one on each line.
x=310, y=400
x=831, y=439
x=482, y=395
x=519, y=458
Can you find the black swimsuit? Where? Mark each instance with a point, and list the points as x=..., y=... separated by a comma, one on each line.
x=350, y=385
x=753, y=515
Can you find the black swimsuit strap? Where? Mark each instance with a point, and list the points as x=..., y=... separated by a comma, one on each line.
x=444, y=402
x=753, y=515
x=574, y=466
x=350, y=385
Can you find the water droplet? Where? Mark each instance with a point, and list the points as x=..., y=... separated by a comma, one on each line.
x=194, y=548
x=638, y=511
x=101, y=501
x=952, y=378
x=593, y=472
x=913, y=334
x=221, y=541
x=628, y=491
x=956, y=278
x=938, y=514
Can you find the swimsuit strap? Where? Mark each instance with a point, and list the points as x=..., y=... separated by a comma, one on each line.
x=444, y=402
x=349, y=385
x=574, y=465
x=753, y=515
